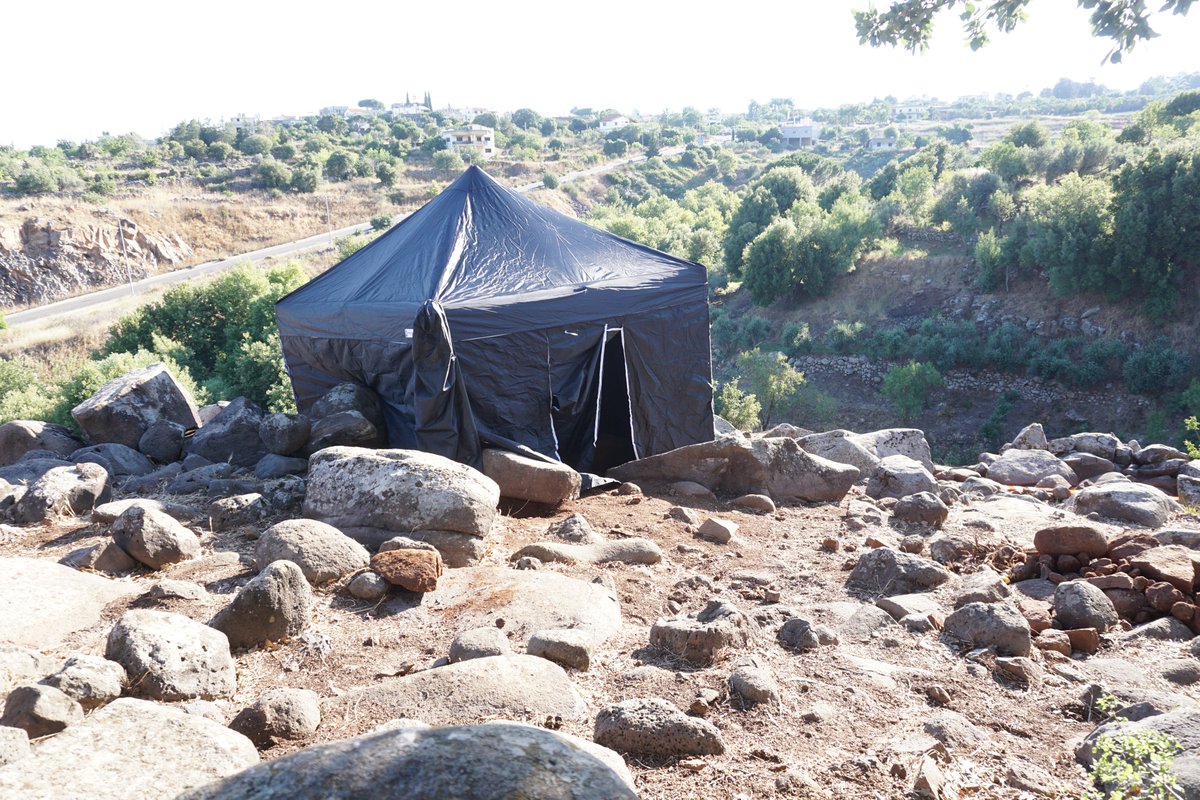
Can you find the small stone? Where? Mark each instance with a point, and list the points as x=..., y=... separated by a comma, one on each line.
x=752, y=683
x=154, y=538
x=568, y=647
x=280, y=714
x=91, y=681
x=273, y=606
x=479, y=643
x=528, y=562
x=412, y=570
x=817, y=712
x=758, y=503
x=938, y=694
x=369, y=586
x=1054, y=640
x=168, y=589
x=1084, y=640
x=799, y=634
x=655, y=727
x=684, y=515
x=1182, y=671
x=40, y=710
x=1019, y=669
x=995, y=625
x=717, y=530
x=700, y=639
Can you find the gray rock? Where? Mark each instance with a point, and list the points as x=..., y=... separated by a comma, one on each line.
x=119, y=460
x=276, y=466
x=899, y=476
x=273, y=606
x=22, y=436
x=343, y=429
x=125, y=407
x=479, y=643
x=1072, y=539
x=756, y=503
x=565, y=646
x=1098, y=444
x=985, y=586
x=575, y=529
x=864, y=624
x=701, y=639
x=228, y=487
x=902, y=605
x=995, y=625
x=232, y=436
x=1182, y=671
x=369, y=586
x=471, y=763
x=43, y=602
x=890, y=572
x=1189, y=490
x=752, y=683
x=153, y=538
x=495, y=687
x=653, y=726
x=198, y=479
x=162, y=441
x=922, y=508
x=1158, y=453
x=152, y=481
x=322, y=551
x=626, y=551
x=14, y=745
x=908, y=442
x=1087, y=466
x=1182, y=724
x=841, y=446
x=776, y=467
x=91, y=681
x=1031, y=437
x=1167, y=629
x=350, y=397
x=799, y=634
x=227, y=513
x=22, y=665
x=1027, y=467
x=284, y=434
x=1123, y=500
x=954, y=730
x=40, y=710
x=718, y=530
x=168, y=589
x=107, y=513
x=520, y=478
x=279, y=714
x=399, y=490
x=107, y=557
x=687, y=516
x=170, y=657
x=120, y=753
x=63, y=490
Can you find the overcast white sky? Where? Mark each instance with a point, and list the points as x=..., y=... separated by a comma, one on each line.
x=76, y=69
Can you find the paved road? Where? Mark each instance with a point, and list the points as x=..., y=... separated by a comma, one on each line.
x=85, y=302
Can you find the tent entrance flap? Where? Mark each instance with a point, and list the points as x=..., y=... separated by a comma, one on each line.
x=614, y=417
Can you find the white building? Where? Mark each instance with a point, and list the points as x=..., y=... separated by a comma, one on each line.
x=409, y=110
x=881, y=143
x=244, y=122
x=335, y=111
x=907, y=112
x=613, y=122
x=476, y=137
x=800, y=132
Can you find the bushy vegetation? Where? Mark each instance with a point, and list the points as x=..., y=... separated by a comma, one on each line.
x=908, y=387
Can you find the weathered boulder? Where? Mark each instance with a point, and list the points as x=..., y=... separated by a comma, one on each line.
x=1098, y=444
x=627, y=551
x=800, y=634
x=1027, y=467
x=171, y=657
x=42, y=603
x=1079, y=604
x=922, y=508
x=284, y=434
x=1189, y=490
x=1072, y=540
x=40, y=710
x=841, y=446
x=91, y=681
x=227, y=513
x=162, y=441
x=478, y=762
x=350, y=397
x=276, y=466
x=279, y=714
x=152, y=482
x=701, y=639
x=119, y=460
x=479, y=643
x=63, y=490
x=984, y=586
x=1087, y=466
x=908, y=442
x=119, y=753
x=402, y=491
x=653, y=726
x=567, y=647
x=890, y=572
x=1124, y=500
x=199, y=478
x=996, y=625
x=14, y=745
x=520, y=478
x=153, y=537
x=1183, y=725
x=232, y=436
x=22, y=436
x=273, y=606
x=753, y=683
x=322, y=551
x=1031, y=437
x=122, y=409
x=575, y=529
x=776, y=467
x=343, y=429
x=899, y=476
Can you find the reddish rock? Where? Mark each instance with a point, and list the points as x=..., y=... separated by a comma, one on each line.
x=1071, y=539
x=414, y=570
x=1162, y=596
x=1055, y=640
x=1171, y=563
x=1085, y=640
x=1141, y=584
x=1183, y=611
x=1117, y=581
x=1130, y=545
x=1068, y=564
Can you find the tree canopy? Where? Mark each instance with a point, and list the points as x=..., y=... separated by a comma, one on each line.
x=910, y=22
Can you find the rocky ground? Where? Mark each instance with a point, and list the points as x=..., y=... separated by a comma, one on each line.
x=788, y=615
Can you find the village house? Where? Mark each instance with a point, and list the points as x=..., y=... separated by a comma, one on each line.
x=800, y=132
x=613, y=122
x=476, y=137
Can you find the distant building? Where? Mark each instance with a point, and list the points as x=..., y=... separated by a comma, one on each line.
x=613, y=122
x=335, y=111
x=409, y=110
x=881, y=143
x=244, y=122
x=475, y=137
x=907, y=112
x=800, y=132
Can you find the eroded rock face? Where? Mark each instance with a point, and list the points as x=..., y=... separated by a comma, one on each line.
x=701, y=639
x=399, y=490
x=125, y=407
x=475, y=762
x=777, y=467
x=171, y=657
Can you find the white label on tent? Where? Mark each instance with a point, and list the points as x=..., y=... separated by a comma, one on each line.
x=408, y=333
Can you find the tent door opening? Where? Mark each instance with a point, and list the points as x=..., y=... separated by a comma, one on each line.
x=614, y=419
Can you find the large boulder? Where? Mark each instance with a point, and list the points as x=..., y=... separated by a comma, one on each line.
x=350, y=397
x=841, y=446
x=374, y=495
x=128, y=750
x=171, y=657
x=232, y=435
x=344, y=429
x=478, y=762
x=777, y=467
x=899, y=476
x=22, y=436
x=1079, y=604
x=42, y=603
x=91, y=681
x=1027, y=467
x=63, y=490
x=887, y=571
x=996, y=625
x=322, y=552
x=153, y=537
x=40, y=710
x=122, y=409
x=285, y=434
x=908, y=442
x=280, y=714
x=273, y=606
x=119, y=460
x=1124, y=500
x=549, y=483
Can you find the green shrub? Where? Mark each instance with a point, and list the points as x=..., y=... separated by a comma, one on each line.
x=908, y=387
x=844, y=337
x=549, y=180
x=771, y=378
x=381, y=222
x=739, y=409
x=1156, y=368
x=448, y=160
x=1135, y=764
x=797, y=339
x=992, y=429
x=988, y=257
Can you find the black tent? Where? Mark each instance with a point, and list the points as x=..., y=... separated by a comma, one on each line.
x=485, y=315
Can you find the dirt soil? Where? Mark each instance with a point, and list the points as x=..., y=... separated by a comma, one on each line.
x=850, y=724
